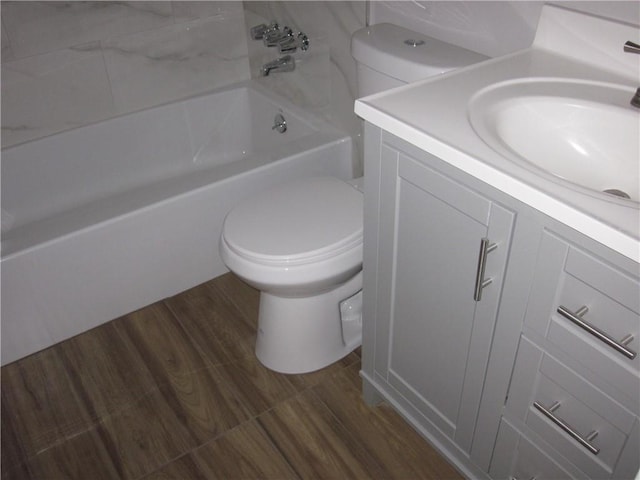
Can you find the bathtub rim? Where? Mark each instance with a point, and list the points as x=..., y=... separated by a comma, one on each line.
x=29, y=236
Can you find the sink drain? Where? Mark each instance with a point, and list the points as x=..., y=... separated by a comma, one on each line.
x=617, y=193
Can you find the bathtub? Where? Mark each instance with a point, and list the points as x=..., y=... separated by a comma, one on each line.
x=105, y=219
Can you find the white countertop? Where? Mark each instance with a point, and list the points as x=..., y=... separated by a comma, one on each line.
x=432, y=115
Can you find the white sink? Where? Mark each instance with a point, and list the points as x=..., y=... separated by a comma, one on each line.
x=584, y=134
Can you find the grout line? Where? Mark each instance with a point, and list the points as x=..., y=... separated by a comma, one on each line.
x=274, y=443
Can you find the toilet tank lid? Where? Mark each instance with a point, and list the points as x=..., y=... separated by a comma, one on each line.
x=382, y=47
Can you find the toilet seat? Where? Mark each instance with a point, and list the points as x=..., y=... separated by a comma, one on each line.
x=303, y=222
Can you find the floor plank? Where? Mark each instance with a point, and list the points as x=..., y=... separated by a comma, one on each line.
x=381, y=430
x=82, y=456
x=210, y=328
x=315, y=443
x=106, y=370
x=244, y=452
x=39, y=402
x=174, y=391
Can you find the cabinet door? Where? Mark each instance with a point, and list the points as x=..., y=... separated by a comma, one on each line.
x=437, y=336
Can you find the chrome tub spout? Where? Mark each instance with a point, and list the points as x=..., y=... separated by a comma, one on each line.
x=282, y=64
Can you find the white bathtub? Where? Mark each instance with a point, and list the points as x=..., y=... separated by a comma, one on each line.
x=102, y=220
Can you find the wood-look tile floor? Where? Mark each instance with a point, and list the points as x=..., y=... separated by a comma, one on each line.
x=173, y=391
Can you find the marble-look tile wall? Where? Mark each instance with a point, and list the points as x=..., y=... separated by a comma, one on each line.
x=324, y=80
x=67, y=64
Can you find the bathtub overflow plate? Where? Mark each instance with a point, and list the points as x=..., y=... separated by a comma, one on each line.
x=413, y=43
x=279, y=123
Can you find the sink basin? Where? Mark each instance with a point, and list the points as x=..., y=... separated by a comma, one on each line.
x=582, y=134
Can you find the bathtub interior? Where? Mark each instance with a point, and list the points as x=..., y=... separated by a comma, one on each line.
x=58, y=184
x=244, y=129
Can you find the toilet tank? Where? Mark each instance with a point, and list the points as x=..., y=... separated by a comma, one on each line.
x=388, y=56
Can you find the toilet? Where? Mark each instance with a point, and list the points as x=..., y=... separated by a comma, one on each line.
x=300, y=244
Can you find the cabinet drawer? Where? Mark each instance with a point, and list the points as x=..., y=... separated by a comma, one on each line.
x=578, y=420
x=518, y=458
x=589, y=310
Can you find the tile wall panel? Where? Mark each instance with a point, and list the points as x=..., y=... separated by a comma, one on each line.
x=66, y=64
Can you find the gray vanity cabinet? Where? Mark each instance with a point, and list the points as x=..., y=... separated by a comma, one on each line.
x=507, y=385
x=436, y=303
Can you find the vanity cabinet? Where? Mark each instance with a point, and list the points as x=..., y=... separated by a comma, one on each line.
x=440, y=295
x=468, y=299
x=436, y=254
x=575, y=384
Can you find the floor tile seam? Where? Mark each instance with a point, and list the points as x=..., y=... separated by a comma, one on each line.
x=83, y=398
x=28, y=457
x=102, y=421
x=94, y=416
x=193, y=341
x=169, y=462
x=97, y=419
x=235, y=392
x=27, y=460
x=275, y=444
x=213, y=439
x=353, y=439
x=198, y=444
x=207, y=364
x=232, y=362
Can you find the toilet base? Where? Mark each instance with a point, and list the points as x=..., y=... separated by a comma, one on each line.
x=299, y=335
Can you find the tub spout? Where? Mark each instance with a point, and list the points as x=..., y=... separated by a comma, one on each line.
x=282, y=64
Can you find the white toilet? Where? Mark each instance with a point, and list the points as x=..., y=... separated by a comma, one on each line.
x=301, y=244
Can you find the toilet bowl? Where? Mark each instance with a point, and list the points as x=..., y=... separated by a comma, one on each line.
x=301, y=246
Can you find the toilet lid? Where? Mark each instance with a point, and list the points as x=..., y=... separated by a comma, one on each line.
x=305, y=220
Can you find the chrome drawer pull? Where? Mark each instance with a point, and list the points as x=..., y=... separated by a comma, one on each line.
x=485, y=249
x=576, y=318
x=548, y=412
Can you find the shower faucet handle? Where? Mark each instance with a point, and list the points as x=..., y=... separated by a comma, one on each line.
x=272, y=38
x=258, y=32
x=290, y=44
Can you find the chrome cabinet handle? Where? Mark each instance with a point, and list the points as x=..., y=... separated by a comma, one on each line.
x=576, y=317
x=548, y=412
x=485, y=249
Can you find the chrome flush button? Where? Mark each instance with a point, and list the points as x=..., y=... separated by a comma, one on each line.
x=413, y=43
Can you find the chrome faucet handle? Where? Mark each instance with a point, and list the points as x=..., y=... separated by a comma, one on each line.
x=290, y=44
x=272, y=39
x=257, y=32
x=631, y=47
